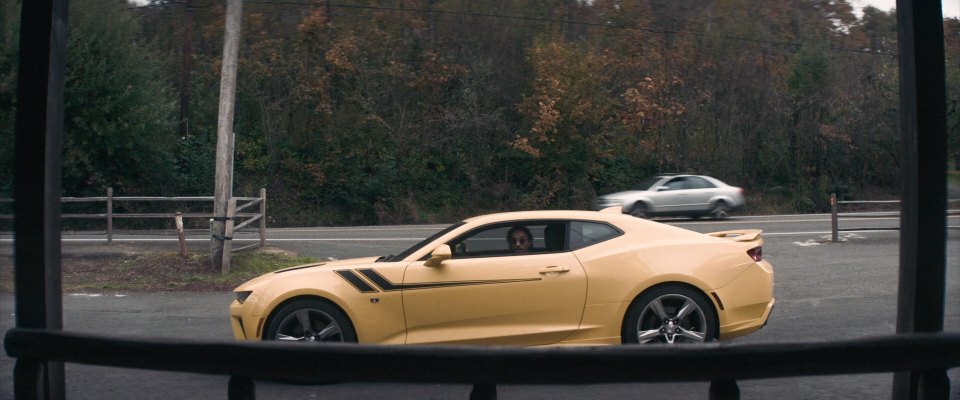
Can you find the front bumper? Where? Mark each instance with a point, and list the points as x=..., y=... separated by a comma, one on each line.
x=245, y=327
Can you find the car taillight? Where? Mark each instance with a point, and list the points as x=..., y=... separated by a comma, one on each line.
x=756, y=253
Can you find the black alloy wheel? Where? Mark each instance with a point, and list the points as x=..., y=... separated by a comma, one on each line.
x=310, y=320
x=670, y=314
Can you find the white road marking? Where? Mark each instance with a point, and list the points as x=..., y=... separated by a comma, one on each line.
x=843, y=237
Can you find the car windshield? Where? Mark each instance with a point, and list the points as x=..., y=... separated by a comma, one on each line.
x=419, y=245
x=647, y=183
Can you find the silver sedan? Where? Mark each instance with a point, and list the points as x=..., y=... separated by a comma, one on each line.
x=687, y=195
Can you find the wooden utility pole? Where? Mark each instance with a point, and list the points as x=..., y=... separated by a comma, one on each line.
x=223, y=189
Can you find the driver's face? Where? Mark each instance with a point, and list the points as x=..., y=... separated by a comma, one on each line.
x=519, y=241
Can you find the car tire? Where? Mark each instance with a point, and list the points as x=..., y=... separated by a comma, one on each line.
x=310, y=320
x=639, y=210
x=720, y=210
x=670, y=314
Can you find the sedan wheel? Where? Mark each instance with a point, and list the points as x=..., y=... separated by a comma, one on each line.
x=670, y=314
x=720, y=210
x=310, y=320
x=639, y=210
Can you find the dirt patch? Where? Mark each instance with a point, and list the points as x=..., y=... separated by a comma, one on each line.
x=134, y=270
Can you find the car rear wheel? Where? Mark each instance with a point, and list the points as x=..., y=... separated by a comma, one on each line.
x=639, y=210
x=720, y=210
x=670, y=314
x=310, y=320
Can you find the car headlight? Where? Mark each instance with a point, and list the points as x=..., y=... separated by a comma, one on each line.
x=242, y=296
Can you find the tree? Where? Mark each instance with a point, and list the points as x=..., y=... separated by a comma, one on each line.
x=951, y=35
x=428, y=111
x=118, y=108
x=9, y=46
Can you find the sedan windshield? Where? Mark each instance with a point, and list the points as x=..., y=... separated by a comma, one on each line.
x=419, y=245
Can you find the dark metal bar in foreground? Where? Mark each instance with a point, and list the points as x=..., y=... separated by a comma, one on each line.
x=923, y=139
x=39, y=134
x=469, y=365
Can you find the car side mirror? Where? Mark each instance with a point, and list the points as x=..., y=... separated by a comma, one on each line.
x=440, y=254
x=663, y=188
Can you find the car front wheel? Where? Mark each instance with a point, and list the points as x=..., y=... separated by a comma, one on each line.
x=310, y=320
x=639, y=210
x=670, y=314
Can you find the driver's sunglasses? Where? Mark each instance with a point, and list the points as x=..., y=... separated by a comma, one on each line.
x=518, y=240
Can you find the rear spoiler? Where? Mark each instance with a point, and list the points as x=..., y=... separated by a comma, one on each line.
x=738, y=235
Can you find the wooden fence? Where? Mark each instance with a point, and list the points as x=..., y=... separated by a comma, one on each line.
x=893, y=210
x=240, y=211
x=927, y=354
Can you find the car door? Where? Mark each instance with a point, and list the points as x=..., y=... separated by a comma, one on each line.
x=673, y=196
x=493, y=297
x=700, y=192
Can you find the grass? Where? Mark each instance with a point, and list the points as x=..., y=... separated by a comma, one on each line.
x=163, y=271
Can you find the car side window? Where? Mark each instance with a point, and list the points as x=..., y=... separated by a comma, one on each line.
x=697, y=182
x=494, y=240
x=585, y=233
x=481, y=242
x=676, y=184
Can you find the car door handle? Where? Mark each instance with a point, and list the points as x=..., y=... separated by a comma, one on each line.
x=554, y=270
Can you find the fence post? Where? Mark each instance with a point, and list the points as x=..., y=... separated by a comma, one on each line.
x=933, y=384
x=213, y=244
x=228, y=236
x=833, y=218
x=483, y=391
x=263, y=217
x=109, y=215
x=27, y=379
x=241, y=388
x=724, y=390
x=181, y=237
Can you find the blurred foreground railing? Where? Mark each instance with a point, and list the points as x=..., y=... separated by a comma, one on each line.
x=893, y=210
x=485, y=367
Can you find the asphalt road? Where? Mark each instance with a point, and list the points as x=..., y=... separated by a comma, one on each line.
x=825, y=291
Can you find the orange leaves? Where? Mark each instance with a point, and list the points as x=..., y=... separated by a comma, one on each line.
x=314, y=22
x=523, y=144
x=648, y=102
x=441, y=71
x=339, y=54
x=833, y=133
x=570, y=90
x=547, y=118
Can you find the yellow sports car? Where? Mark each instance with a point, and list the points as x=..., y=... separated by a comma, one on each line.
x=532, y=278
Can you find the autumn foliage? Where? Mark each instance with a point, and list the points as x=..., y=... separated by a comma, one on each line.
x=412, y=111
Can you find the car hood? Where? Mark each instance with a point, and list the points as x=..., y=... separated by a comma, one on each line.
x=622, y=195
x=263, y=280
x=329, y=264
